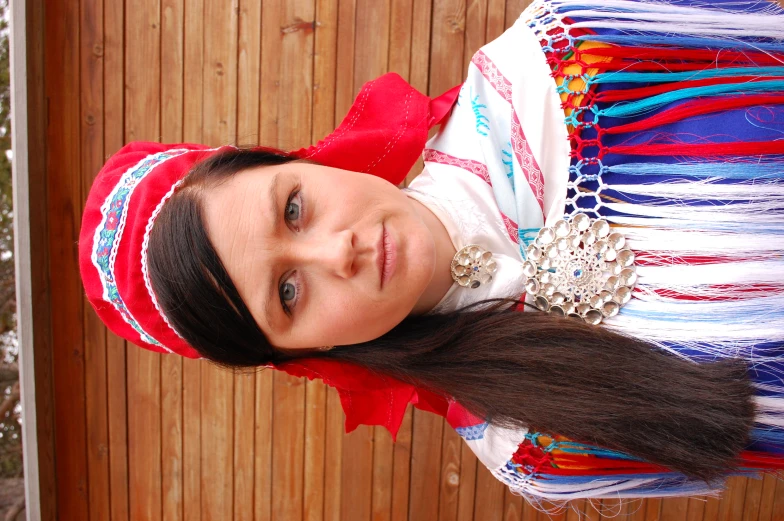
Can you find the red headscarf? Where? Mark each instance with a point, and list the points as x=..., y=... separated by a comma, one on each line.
x=383, y=134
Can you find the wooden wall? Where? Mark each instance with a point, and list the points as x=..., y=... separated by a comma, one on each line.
x=135, y=435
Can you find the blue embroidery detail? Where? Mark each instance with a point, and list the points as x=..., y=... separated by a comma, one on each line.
x=527, y=236
x=114, y=210
x=507, y=160
x=474, y=432
x=481, y=120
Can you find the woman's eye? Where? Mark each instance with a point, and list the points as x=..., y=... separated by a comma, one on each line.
x=289, y=293
x=293, y=207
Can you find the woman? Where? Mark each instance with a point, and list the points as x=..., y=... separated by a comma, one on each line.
x=654, y=129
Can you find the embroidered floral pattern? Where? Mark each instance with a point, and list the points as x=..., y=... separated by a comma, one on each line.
x=108, y=234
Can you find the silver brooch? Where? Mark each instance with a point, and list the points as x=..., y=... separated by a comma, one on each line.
x=473, y=266
x=580, y=269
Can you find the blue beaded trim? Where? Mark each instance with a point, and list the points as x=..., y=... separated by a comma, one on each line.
x=108, y=234
x=474, y=432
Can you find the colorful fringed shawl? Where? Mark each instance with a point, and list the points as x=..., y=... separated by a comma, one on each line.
x=673, y=116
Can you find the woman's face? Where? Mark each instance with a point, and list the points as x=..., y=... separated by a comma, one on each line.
x=321, y=256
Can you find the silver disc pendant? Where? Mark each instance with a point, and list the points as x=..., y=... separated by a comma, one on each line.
x=473, y=266
x=580, y=269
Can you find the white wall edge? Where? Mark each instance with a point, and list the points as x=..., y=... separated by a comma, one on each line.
x=22, y=255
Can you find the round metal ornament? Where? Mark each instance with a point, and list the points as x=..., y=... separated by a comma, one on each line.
x=590, y=274
x=473, y=266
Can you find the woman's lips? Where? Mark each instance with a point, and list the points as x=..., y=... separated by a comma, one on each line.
x=388, y=257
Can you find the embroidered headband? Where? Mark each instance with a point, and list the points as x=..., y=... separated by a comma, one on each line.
x=383, y=134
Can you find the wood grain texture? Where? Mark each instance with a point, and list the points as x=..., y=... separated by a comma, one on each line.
x=64, y=201
x=92, y=149
x=425, y=466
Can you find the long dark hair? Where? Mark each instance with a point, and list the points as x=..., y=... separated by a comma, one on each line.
x=546, y=373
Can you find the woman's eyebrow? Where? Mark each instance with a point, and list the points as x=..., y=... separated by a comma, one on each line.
x=273, y=197
x=272, y=290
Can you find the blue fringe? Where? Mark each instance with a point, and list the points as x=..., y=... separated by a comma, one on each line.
x=704, y=170
x=625, y=109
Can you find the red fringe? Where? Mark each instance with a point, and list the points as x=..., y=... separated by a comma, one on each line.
x=744, y=148
x=704, y=55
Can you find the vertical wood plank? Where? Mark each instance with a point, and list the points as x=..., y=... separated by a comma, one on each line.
x=248, y=72
x=288, y=432
x=425, y=466
x=333, y=460
x=475, y=31
x=243, y=457
x=142, y=121
x=421, y=29
x=467, y=492
x=616, y=509
x=114, y=130
x=674, y=509
x=751, y=504
x=448, y=42
x=191, y=439
x=490, y=492
x=315, y=440
x=220, y=72
x=92, y=149
x=496, y=14
x=296, y=74
x=768, y=498
x=34, y=295
x=193, y=72
x=172, y=65
x=576, y=507
x=344, y=81
x=711, y=512
x=217, y=447
x=401, y=473
x=357, y=479
x=400, y=36
x=262, y=494
x=513, y=506
x=593, y=510
x=531, y=512
x=144, y=430
x=449, y=498
x=778, y=503
x=696, y=509
x=513, y=10
x=653, y=509
x=383, y=466
x=731, y=505
x=171, y=438
x=64, y=202
x=371, y=40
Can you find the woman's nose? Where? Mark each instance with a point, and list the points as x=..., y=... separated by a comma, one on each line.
x=334, y=252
